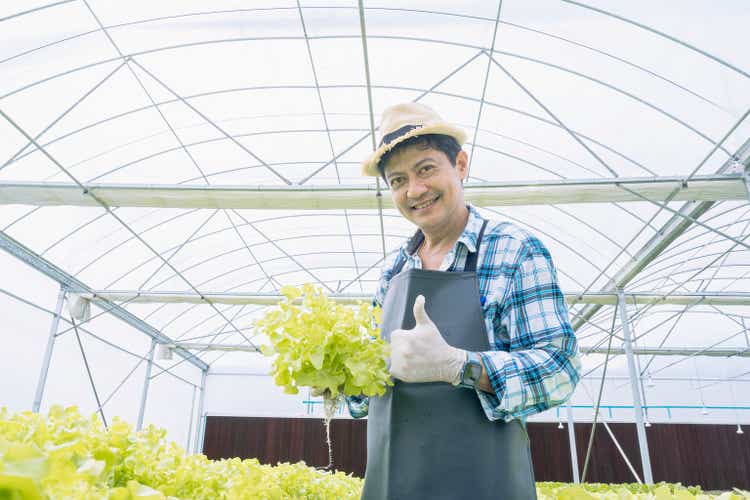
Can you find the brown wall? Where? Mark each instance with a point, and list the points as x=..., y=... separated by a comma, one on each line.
x=273, y=440
x=712, y=456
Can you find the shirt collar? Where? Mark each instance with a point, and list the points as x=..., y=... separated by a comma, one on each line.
x=468, y=236
x=470, y=233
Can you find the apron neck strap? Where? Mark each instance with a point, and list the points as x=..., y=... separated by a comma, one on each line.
x=418, y=238
x=414, y=243
x=471, y=258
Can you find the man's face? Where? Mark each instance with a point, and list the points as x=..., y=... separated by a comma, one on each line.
x=425, y=187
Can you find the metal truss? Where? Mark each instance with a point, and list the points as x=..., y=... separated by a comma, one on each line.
x=135, y=296
x=50, y=270
x=706, y=189
x=637, y=351
x=665, y=236
x=741, y=352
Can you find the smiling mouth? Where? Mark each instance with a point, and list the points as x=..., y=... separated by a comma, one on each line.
x=425, y=204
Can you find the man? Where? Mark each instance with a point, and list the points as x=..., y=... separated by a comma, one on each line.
x=478, y=327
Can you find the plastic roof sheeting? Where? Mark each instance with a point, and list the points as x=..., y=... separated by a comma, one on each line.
x=213, y=138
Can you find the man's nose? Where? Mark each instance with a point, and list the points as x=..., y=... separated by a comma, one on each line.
x=416, y=190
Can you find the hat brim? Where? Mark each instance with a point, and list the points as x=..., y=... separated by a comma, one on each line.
x=370, y=165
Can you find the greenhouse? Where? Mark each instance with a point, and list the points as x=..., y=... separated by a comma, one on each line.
x=174, y=174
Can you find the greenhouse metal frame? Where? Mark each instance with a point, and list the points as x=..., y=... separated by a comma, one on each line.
x=684, y=254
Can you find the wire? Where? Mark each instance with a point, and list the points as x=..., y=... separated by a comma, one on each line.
x=599, y=398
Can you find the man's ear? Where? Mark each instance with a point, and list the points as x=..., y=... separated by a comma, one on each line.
x=462, y=164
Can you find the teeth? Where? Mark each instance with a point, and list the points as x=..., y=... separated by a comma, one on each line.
x=426, y=204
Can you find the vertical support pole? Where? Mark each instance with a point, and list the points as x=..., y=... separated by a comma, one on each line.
x=572, y=441
x=746, y=176
x=201, y=424
x=146, y=383
x=641, y=388
x=190, y=422
x=637, y=406
x=639, y=371
x=42, y=382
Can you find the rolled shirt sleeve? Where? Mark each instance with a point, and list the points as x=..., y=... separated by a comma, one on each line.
x=540, y=367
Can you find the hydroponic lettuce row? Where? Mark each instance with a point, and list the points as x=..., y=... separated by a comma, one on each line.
x=600, y=491
x=67, y=456
x=325, y=345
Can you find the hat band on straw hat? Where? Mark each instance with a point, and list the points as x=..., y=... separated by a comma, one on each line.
x=398, y=133
x=403, y=121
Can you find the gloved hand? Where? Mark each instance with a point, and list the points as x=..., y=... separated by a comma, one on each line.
x=421, y=354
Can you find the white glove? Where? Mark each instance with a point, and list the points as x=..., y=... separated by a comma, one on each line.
x=421, y=354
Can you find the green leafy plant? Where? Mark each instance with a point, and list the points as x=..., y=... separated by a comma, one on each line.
x=325, y=345
x=333, y=348
x=633, y=491
x=65, y=455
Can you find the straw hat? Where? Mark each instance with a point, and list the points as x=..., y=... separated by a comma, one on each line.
x=406, y=120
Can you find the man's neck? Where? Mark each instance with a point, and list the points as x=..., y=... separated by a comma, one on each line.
x=445, y=237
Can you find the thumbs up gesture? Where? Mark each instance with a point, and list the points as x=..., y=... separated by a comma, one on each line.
x=421, y=354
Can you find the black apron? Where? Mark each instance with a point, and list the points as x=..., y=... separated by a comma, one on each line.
x=433, y=440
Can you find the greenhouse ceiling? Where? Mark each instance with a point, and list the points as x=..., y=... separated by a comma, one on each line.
x=179, y=162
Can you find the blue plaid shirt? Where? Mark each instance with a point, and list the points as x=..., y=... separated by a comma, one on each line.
x=533, y=363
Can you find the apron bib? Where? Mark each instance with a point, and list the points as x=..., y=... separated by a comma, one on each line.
x=433, y=440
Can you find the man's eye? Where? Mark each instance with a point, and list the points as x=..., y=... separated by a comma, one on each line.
x=395, y=182
x=425, y=169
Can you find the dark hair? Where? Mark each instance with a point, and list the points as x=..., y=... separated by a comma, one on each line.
x=440, y=142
